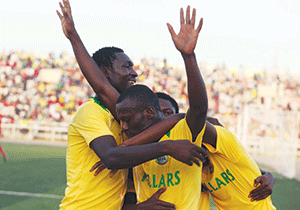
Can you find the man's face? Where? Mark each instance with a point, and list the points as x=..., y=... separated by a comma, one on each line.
x=122, y=76
x=132, y=121
x=166, y=107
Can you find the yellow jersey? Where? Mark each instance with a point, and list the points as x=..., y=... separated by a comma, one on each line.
x=233, y=176
x=182, y=181
x=84, y=190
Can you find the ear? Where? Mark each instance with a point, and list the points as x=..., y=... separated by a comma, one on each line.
x=149, y=113
x=105, y=70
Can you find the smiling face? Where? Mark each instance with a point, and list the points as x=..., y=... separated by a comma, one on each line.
x=122, y=76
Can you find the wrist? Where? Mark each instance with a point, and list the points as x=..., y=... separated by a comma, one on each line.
x=188, y=56
x=73, y=35
x=270, y=176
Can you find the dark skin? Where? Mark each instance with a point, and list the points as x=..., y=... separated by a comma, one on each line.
x=210, y=134
x=211, y=139
x=185, y=42
x=154, y=203
x=166, y=107
x=107, y=83
x=263, y=183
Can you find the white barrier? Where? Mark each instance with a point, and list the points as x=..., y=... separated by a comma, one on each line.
x=34, y=130
x=272, y=138
x=279, y=152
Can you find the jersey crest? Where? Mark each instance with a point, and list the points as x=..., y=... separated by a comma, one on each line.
x=162, y=160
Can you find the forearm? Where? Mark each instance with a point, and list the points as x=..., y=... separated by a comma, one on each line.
x=94, y=75
x=196, y=115
x=196, y=86
x=128, y=157
x=155, y=132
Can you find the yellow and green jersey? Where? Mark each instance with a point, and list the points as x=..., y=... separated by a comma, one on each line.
x=182, y=181
x=233, y=176
x=84, y=190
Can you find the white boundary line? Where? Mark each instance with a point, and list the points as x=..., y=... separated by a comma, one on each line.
x=31, y=194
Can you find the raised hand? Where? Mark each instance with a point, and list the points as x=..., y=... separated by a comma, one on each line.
x=154, y=203
x=185, y=41
x=66, y=18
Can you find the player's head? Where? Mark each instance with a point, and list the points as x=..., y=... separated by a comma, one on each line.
x=137, y=109
x=167, y=104
x=117, y=66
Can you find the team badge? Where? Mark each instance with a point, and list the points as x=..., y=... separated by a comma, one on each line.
x=162, y=160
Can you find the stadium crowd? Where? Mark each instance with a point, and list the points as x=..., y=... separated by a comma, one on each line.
x=28, y=94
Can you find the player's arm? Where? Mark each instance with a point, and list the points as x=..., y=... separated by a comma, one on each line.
x=155, y=132
x=158, y=130
x=114, y=157
x=185, y=42
x=94, y=75
x=98, y=80
x=210, y=134
x=264, y=184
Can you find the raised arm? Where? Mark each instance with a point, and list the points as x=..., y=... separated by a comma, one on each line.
x=185, y=41
x=92, y=72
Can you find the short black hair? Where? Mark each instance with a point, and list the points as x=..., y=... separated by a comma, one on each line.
x=141, y=97
x=169, y=98
x=104, y=56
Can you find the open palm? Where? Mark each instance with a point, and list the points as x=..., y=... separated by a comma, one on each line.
x=66, y=18
x=185, y=41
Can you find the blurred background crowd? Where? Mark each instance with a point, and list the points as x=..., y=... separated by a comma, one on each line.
x=50, y=87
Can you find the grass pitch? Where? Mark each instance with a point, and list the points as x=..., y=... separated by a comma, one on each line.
x=39, y=170
x=40, y=173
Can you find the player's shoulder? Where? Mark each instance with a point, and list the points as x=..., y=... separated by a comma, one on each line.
x=90, y=108
x=180, y=130
x=226, y=137
x=223, y=131
x=181, y=124
x=92, y=105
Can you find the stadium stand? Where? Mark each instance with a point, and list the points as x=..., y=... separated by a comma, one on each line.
x=39, y=94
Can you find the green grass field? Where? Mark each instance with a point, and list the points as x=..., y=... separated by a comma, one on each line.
x=41, y=171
